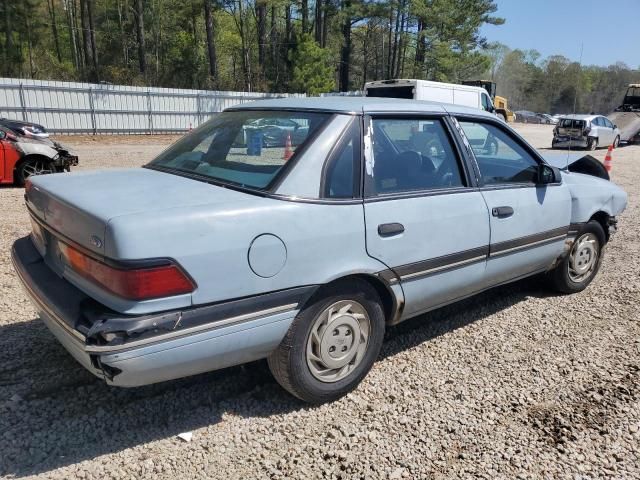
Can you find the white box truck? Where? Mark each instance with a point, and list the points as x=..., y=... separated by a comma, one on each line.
x=475, y=97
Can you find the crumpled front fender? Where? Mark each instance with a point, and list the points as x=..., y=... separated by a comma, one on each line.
x=32, y=148
x=590, y=195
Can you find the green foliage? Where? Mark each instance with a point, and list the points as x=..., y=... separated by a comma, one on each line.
x=556, y=84
x=366, y=39
x=312, y=70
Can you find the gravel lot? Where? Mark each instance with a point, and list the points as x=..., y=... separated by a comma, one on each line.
x=514, y=383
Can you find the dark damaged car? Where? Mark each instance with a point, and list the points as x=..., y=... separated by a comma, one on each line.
x=26, y=150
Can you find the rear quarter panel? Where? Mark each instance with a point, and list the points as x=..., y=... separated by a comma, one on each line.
x=323, y=242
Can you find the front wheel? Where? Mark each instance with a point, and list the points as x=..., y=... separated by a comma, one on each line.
x=576, y=271
x=332, y=343
x=31, y=167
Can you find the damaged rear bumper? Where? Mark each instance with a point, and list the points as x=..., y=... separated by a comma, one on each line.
x=130, y=351
x=569, y=142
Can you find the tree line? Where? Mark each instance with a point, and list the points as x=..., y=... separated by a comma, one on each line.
x=557, y=84
x=310, y=46
x=251, y=45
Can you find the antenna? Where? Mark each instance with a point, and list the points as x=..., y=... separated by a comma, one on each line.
x=575, y=99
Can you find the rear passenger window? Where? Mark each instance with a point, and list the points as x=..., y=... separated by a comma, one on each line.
x=342, y=177
x=500, y=157
x=411, y=154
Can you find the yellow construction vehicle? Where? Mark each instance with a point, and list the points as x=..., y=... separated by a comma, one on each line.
x=499, y=102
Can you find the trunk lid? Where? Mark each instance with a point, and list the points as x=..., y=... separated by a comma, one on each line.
x=80, y=205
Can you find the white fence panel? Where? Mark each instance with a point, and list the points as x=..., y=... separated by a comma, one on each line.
x=72, y=107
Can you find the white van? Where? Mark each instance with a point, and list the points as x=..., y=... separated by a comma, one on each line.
x=468, y=96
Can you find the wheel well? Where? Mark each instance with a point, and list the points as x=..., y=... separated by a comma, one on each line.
x=603, y=219
x=387, y=298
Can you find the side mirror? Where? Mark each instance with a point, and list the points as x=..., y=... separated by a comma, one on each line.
x=615, y=126
x=548, y=174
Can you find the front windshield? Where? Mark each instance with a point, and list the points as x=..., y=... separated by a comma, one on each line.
x=244, y=147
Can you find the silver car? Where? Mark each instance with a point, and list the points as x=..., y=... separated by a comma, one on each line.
x=218, y=253
x=585, y=131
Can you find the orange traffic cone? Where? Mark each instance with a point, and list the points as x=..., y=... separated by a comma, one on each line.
x=288, y=150
x=608, y=159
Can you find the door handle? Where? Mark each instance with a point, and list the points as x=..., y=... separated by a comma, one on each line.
x=502, y=212
x=390, y=229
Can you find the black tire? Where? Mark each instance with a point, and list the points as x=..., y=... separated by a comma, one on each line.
x=32, y=166
x=288, y=363
x=616, y=142
x=592, y=144
x=560, y=278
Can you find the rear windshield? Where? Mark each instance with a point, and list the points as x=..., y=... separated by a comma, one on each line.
x=569, y=123
x=246, y=148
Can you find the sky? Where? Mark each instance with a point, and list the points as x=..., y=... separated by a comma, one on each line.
x=609, y=29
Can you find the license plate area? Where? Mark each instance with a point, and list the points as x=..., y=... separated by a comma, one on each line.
x=48, y=246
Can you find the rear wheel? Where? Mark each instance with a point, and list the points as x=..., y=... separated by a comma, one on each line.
x=576, y=271
x=332, y=343
x=592, y=143
x=31, y=167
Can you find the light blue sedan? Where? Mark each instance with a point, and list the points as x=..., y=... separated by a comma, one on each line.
x=226, y=249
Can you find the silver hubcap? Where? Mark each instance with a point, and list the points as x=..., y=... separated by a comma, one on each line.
x=338, y=341
x=39, y=167
x=583, y=258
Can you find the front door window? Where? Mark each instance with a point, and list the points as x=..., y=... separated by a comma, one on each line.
x=500, y=158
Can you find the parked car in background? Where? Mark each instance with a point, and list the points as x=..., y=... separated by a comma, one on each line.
x=30, y=153
x=216, y=254
x=275, y=132
x=27, y=129
x=549, y=119
x=585, y=131
x=525, y=116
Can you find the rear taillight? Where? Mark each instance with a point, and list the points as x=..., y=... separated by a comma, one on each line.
x=587, y=128
x=141, y=283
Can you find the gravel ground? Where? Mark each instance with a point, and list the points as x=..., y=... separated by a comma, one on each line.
x=514, y=383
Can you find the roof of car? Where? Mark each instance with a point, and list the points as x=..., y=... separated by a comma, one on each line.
x=580, y=117
x=344, y=104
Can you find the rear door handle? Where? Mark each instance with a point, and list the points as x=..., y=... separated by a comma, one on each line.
x=502, y=212
x=390, y=229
